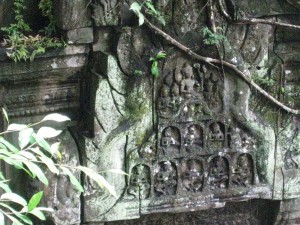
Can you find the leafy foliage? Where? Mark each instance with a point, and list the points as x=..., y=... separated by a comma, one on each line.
x=154, y=67
x=148, y=5
x=33, y=152
x=21, y=45
x=212, y=38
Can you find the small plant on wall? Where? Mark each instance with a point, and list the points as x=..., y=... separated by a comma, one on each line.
x=21, y=42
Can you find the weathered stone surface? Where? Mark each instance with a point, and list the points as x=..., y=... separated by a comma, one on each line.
x=80, y=36
x=71, y=14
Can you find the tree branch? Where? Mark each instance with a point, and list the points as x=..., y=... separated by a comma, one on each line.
x=254, y=20
x=212, y=61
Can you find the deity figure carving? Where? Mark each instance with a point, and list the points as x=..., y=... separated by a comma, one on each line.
x=164, y=101
x=194, y=136
x=216, y=136
x=170, y=141
x=192, y=177
x=188, y=82
x=243, y=174
x=219, y=173
x=235, y=139
x=140, y=182
x=166, y=179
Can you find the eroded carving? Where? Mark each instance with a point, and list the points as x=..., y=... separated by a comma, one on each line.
x=192, y=175
x=193, y=139
x=243, y=174
x=166, y=179
x=219, y=173
x=140, y=183
x=170, y=140
x=216, y=135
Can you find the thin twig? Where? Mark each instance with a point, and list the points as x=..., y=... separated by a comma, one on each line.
x=212, y=61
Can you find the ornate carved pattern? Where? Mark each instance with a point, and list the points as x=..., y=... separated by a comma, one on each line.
x=197, y=151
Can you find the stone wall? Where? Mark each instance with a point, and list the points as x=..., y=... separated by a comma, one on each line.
x=197, y=138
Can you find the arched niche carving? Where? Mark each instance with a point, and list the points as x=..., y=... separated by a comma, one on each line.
x=170, y=140
x=216, y=133
x=219, y=173
x=193, y=138
x=243, y=170
x=140, y=182
x=192, y=175
x=165, y=179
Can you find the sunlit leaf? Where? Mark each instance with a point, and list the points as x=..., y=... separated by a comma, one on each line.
x=48, y=132
x=16, y=127
x=24, y=137
x=56, y=117
x=54, y=149
x=118, y=171
x=50, y=164
x=73, y=179
x=14, y=198
x=6, y=117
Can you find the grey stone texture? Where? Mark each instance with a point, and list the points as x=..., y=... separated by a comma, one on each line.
x=196, y=138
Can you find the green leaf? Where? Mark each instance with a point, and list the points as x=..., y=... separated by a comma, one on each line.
x=56, y=117
x=35, y=170
x=41, y=142
x=5, y=187
x=73, y=179
x=8, y=145
x=48, y=132
x=6, y=116
x=24, y=137
x=136, y=8
x=50, y=164
x=35, y=200
x=150, y=6
x=14, y=198
x=161, y=55
x=39, y=214
x=154, y=69
x=100, y=180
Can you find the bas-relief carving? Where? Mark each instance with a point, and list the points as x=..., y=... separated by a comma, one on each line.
x=140, y=183
x=192, y=175
x=105, y=12
x=165, y=179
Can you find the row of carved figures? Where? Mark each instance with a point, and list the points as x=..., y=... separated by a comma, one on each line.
x=196, y=88
x=191, y=175
x=194, y=137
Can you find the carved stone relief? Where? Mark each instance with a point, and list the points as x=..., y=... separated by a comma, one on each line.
x=105, y=12
x=165, y=179
x=192, y=175
x=140, y=182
